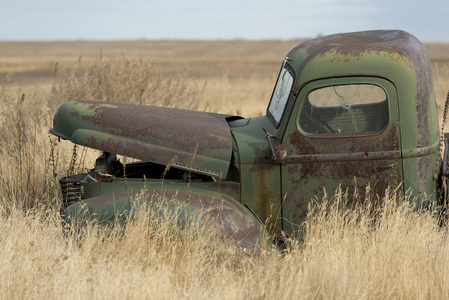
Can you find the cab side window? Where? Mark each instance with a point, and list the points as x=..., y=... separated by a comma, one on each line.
x=345, y=109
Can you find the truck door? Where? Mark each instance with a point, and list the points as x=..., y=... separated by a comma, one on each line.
x=342, y=132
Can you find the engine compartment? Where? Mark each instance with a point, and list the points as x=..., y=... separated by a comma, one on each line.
x=108, y=168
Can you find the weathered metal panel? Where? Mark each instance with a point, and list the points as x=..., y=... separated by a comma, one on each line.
x=260, y=175
x=230, y=221
x=197, y=141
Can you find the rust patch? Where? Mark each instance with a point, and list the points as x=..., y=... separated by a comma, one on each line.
x=358, y=43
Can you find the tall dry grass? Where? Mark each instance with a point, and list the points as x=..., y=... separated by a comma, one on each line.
x=24, y=148
x=124, y=80
x=344, y=253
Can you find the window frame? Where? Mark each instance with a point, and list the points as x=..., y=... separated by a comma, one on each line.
x=386, y=85
x=290, y=70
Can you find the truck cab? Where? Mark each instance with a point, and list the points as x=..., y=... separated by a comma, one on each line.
x=352, y=111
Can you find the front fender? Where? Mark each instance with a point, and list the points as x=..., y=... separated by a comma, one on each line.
x=230, y=220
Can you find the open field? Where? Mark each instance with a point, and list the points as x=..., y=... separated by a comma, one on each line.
x=345, y=253
x=239, y=74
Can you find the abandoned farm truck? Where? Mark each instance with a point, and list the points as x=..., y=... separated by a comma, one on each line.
x=347, y=110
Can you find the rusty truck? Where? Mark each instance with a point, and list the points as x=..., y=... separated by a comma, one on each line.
x=347, y=111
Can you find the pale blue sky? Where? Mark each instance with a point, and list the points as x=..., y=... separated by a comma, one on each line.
x=208, y=19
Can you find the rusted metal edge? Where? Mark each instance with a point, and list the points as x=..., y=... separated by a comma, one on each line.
x=196, y=169
x=379, y=155
x=422, y=151
x=336, y=157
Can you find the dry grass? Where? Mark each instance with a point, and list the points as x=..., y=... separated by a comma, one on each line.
x=345, y=253
x=124, y=80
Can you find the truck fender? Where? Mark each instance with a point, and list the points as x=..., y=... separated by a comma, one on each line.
x=231, y=221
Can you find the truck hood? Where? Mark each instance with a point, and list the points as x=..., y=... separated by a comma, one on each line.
x=189, y=140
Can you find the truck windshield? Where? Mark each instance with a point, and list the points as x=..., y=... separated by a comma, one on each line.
x=280, y=94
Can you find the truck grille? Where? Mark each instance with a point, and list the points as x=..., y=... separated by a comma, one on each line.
x=71, y=189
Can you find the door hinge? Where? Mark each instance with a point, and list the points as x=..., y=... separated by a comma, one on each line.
x=295, y=93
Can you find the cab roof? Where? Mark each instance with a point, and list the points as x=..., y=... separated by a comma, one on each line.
x=394, y=55
x=366, y=52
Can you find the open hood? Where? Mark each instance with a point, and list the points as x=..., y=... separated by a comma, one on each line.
x=196, y=141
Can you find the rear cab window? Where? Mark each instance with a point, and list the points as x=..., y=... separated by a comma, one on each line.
x=345, y=109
